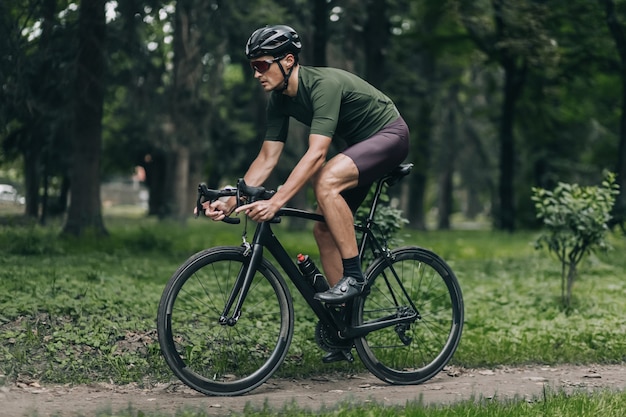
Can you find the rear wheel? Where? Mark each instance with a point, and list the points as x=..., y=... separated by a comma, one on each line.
x=224, y=358
x=429, y=298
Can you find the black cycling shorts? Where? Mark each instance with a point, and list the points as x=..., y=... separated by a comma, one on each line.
x=375, y=157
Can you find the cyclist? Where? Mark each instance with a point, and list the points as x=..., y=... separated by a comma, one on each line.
x=335, y=104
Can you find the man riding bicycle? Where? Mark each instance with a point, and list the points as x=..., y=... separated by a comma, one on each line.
x=335, y=105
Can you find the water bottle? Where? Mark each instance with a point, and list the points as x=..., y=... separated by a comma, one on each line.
x=311, y=273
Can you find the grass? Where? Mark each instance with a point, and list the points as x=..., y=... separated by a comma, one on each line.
x=553, y=404
x=76, y=311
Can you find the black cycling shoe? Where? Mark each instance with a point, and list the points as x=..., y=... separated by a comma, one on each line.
x=346, y=289
x=338, y=355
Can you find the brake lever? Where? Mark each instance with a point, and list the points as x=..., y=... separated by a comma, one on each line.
x=203, y=191
x=199, y=200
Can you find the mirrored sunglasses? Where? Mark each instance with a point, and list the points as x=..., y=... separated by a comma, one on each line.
x=263, y=65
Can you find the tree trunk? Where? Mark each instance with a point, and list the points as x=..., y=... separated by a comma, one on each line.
x=40, y=129
x=421, y=121
x=85, y=210
x=184, y=108
x=176, y=185
x=376, y=36
x=506, y=209
x=571, y=277
x=181, y=182
x=320, y=35
x=420, y=156
x=618, y=32
x=444, y=204
x=32, y=169
x=196, y=176
x=515, y=69
x=155, y=166
x=619, y=211
x=446, y=162
x=514, y=78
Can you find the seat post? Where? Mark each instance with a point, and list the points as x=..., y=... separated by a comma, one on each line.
x=379, y=188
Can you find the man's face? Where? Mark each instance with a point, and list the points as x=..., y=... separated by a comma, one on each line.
x=267, y=71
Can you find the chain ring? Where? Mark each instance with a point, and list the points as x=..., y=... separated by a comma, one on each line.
x=328, y=340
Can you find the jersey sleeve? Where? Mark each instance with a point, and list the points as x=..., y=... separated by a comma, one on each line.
x=326, y=103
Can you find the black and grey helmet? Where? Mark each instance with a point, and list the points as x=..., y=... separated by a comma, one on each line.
x=275, y=41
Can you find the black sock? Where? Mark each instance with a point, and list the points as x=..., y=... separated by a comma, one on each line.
x=352, y=268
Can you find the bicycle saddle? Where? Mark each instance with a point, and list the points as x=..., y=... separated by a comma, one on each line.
x=398, y=173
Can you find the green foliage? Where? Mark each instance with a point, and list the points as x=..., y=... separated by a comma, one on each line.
x=86, y=311
x=604, y=403
x=35, y=240
x=552, y=403
x=576, y=220
x=29, y=241
x=572, y=60
x=387, y=220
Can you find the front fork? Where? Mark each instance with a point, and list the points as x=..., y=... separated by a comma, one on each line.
x=242, y=285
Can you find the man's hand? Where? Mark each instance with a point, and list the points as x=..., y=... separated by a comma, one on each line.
x=219, y=208
x=259, y=211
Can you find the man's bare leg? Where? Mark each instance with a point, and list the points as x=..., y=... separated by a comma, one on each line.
x=329, y=253
x=336, y=238
x=339, y=174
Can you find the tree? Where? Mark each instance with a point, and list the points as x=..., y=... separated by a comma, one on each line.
x=516, y=39
x=376, y=36
x=429, y=55
x=533, y=90
x=85, y=211
x=135, y=101
x=320, y=32
x=618, y=32
x=576, y=220
x=35, y=77
x=184, y=106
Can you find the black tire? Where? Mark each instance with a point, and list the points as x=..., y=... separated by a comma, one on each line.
x=417, y=351
x=219, y=359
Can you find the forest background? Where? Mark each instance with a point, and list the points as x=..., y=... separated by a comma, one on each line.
x=500, y=96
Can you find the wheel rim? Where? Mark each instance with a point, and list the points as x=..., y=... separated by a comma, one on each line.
x=415, y=351
x=222, y=359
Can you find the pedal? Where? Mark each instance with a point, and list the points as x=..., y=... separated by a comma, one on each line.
x=337, y=356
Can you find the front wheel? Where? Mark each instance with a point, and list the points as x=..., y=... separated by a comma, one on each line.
x=417, y=285
x=217, y=357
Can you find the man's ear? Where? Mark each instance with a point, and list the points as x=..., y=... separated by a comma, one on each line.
x=290, y=60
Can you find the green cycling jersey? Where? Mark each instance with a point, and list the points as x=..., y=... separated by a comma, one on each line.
x=333, y=103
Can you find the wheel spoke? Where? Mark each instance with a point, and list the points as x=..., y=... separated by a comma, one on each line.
x=223, y=359
x=413, y=352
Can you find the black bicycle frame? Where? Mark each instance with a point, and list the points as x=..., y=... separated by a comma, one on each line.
x=334, y=316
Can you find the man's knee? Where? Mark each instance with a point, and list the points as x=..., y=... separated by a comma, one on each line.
x=325, y=187
x=339, y=174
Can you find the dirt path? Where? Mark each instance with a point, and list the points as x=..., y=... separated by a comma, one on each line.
x=451, y=385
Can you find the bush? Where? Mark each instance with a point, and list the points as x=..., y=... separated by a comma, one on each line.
x=30, y=241
x=576, y=220
x=387, y=220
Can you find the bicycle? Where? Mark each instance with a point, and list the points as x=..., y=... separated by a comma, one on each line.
x=225, y=319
